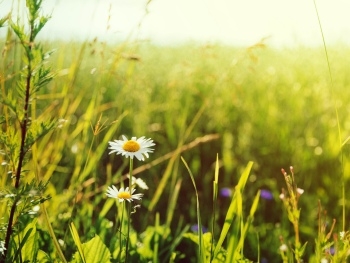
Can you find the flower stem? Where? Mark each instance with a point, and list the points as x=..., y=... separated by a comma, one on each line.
x=129, y=212
x=121, y=233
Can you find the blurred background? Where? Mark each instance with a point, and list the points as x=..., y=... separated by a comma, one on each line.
x=285, y=23
x=246, y=80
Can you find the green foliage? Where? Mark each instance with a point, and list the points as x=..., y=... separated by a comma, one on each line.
x=3, y=20
x=92, y=251
x=271, y=106
x=207, y=242
x=234, y=214
x=149, y=240
x=80, y=254
x=37, y=130
x=233, y=221
x=25, y=246
x=18, y=137
x=36, y=21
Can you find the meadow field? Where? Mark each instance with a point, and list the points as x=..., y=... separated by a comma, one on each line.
x=225, y=120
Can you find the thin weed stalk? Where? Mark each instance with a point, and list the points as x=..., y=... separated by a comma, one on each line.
x=215, y=197
x=28, y=86
x=24, y=129
x=121, y=233
x=290, y=200
x=201, y=247
x=129, y=212
x=174, y=156
x=341, y=144
x=156, y=240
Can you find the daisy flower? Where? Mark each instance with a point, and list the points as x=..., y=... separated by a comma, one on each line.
x=134, y=147
x=139, y=182
x=123, y=194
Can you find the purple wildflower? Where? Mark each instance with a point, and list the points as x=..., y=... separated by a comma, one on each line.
x=266, y=194
x=195, y=228
x=225, y=192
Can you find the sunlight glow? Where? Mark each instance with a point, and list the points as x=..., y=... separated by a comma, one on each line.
x=283, y=23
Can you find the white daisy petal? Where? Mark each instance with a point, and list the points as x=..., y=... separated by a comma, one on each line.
x=139, y=182
x=137, y=196
x=139, y=156
x=123, y=194
x=134, y=147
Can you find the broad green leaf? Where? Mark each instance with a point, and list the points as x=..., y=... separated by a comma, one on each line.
x=42, y=257
x=94, y=251
x=26, y=243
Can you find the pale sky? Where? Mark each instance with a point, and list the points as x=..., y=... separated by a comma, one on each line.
x=245, y=22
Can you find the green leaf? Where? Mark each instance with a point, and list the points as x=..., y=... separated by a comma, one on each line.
x=94, y=251
x=43, y=257
x=19, y=31
x=249, y=221
x=232, y=248
x=12, y=103
x=106, y=207
x=77, y=242
x=42, y=22
x=44, y=76
x=301, y=250
x=207, y=237
x=3, y=20
x=216, y=170
x=233, y=207
x=37, y=130
x=26, y=243
x=148, y=240
x=255, y=204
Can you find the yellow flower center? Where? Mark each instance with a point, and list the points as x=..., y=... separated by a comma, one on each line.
x=131, y=146
x=124, y=195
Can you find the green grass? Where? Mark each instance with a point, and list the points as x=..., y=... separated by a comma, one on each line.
x=270, y=106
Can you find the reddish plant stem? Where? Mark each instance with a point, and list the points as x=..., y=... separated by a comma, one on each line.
x=22, y=153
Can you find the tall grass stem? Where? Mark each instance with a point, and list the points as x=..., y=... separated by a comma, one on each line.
x=337, y=116
x=129, y=212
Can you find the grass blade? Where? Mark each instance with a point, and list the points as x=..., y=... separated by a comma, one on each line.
x=77, y=242
x=215, y=197
x=200, y=231
x=233, y=207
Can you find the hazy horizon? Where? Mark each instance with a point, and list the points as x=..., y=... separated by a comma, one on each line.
x=282, y=23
